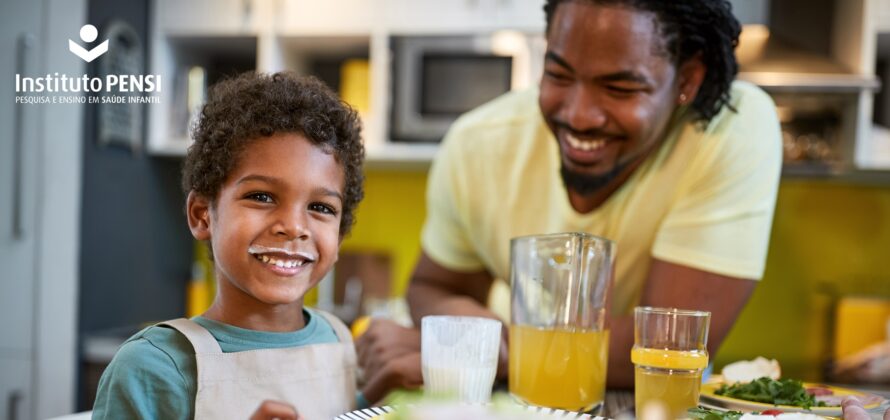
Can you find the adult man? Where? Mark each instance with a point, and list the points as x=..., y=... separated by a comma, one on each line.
x=636, y=133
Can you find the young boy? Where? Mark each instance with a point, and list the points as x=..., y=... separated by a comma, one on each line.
x=273, y=179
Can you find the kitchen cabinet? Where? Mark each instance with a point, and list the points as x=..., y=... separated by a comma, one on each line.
x=882, y=16
x=816, y=59
x=216, y=17
x=800, y=51
x=459, y=15
x=299, y=34
x=39, y=181
x=15, y=387
x=407, y=16
x=19, y=33
x=523, y=14
x=19, y=162
x=329, y=17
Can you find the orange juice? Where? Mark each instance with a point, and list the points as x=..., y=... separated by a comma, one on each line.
x=560, y=368
x=670, y=376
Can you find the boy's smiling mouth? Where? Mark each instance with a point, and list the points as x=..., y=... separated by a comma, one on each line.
x=282, y=261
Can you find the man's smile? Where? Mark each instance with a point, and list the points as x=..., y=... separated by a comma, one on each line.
x=584, y=149
x=585, y=145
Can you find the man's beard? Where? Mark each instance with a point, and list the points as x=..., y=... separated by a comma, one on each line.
x=586, y=184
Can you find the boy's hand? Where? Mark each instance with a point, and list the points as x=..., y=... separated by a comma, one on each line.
x=383, y=342
x=270, y=410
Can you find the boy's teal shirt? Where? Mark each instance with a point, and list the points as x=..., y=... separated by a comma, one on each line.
x=154, y=373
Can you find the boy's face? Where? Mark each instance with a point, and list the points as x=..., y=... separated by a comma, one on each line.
x=275, y=226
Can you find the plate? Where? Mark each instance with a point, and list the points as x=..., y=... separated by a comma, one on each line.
x=378, y=413
x=365, y=414
x=709, y=397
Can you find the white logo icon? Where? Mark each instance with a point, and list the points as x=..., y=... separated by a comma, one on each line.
x=88, y=33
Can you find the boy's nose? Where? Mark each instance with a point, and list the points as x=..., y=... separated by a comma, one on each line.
x=293, y=225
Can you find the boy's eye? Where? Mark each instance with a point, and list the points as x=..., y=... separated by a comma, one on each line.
x=323, y=208
x=260, y=196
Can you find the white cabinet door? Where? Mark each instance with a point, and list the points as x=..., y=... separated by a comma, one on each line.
x=295, y=17
x=882, y=24
x=16, y=398
x=441, y=16
x=329, y=17
x=525, y=15
x=211, y=17
x=19, y=34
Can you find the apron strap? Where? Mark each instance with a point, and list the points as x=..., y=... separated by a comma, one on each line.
x=339, y=327
x=201, y=339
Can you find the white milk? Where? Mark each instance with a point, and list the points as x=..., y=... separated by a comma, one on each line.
x=470, y=384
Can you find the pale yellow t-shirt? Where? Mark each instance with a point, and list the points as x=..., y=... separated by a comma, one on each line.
x=704, y=200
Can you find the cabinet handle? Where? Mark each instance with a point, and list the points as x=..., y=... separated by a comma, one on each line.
x=12, y=406
x=23, y=47
x=246, y=11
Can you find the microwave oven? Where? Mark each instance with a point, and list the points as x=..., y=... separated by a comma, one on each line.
x=435, y=79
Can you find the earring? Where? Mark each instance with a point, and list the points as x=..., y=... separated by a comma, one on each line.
x=682, y=98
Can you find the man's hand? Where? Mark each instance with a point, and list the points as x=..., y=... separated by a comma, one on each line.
x=853, y=410
x=382, y=342
x=270, y=410
x=403, y=372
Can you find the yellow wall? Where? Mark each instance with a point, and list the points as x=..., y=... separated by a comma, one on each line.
x=828, y=240
x=389, y=220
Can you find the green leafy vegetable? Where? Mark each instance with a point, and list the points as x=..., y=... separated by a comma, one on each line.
x=701, y=413
x=771, y=391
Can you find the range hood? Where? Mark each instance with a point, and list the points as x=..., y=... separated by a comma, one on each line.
x=820, y=46
x=776, y=64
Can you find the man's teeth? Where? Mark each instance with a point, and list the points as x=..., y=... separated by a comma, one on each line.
x=585, y=144
x=281, y=263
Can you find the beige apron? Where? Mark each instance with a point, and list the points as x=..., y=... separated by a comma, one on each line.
x=317, y=379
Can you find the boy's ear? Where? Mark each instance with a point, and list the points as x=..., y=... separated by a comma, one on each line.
x=197, y=209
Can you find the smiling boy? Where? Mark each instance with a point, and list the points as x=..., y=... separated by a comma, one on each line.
x=273, y=179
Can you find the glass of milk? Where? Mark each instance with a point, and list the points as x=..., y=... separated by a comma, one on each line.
x=459, y=356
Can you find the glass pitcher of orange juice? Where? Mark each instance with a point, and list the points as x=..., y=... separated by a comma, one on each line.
x=558, y=343
x=669, y=356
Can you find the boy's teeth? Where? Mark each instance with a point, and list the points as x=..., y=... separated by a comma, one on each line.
x=281, y=263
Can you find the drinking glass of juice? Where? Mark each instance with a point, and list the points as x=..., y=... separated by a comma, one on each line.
x=669, y=355
x=558, y=341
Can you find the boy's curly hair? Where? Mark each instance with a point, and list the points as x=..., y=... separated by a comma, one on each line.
x=254, y=105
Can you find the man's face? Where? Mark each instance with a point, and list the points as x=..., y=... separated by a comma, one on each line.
x=275, y=227
x=607, y=92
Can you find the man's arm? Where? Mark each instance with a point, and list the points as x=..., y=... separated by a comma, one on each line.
x=678, y=286
x=436, y=290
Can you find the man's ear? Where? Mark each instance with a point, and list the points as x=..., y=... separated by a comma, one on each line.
x=197, y=209
x=691, y=74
